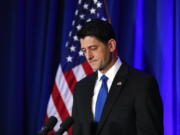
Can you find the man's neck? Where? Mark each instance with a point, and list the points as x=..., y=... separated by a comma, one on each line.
x=110, y=64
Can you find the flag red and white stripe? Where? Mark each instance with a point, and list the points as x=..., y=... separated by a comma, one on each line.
x=61, y=99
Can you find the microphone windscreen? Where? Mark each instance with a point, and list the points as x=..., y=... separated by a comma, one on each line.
x=65, y=125
x=51, y=122
x=48, y=126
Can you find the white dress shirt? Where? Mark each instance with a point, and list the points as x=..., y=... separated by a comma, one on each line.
x=110, y=74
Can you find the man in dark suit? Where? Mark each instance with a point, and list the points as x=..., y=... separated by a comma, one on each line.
x=126, y=102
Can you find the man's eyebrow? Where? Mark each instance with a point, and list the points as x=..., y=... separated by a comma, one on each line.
x=92, y=46
x=89, y=46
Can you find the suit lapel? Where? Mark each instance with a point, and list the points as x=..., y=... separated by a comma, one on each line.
x=87, y=96
x=113, y=95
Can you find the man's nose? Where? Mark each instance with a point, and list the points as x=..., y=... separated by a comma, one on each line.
x=89, y=55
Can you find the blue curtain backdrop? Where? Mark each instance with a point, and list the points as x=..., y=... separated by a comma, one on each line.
x=32, y=32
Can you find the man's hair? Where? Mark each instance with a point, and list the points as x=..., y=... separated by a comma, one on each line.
x=102, y=30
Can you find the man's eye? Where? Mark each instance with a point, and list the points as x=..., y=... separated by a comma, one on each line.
x=83, y=50
x=93, y=48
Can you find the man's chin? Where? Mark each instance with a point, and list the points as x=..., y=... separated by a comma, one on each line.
x=97, y=68
x=94, y=68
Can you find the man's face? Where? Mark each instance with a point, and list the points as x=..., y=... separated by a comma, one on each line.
x=96, y=52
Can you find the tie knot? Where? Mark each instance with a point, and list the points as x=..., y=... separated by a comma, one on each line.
x=104, y=78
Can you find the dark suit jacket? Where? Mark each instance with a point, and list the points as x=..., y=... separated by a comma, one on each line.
x=133, y=106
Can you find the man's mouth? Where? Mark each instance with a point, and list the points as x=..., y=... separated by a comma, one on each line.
x=92, y=61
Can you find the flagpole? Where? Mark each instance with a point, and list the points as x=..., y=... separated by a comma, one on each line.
x=107, y=11
x=109, y=20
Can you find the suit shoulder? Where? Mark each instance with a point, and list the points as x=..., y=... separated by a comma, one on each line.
x=138, y=74
x=142, y=82
x=140, y=77
x=87, y=79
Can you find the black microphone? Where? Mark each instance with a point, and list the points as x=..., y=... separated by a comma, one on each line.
x=51, y=122
x=65, y=125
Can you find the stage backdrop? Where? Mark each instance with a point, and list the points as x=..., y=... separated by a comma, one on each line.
x=33, y=31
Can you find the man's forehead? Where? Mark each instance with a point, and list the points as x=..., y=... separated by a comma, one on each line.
x=88, y=46
x=89, y=38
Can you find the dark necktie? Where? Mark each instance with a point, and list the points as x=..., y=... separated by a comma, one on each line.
x=102, y=95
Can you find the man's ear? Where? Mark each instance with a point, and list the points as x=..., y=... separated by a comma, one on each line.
x=112, y=45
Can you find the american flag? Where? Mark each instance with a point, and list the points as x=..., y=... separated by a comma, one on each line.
x=73, y=65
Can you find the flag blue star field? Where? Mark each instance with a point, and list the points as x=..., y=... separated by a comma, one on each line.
x=73, y=65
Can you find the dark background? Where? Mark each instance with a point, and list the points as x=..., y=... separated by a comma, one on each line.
x=33, y=31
